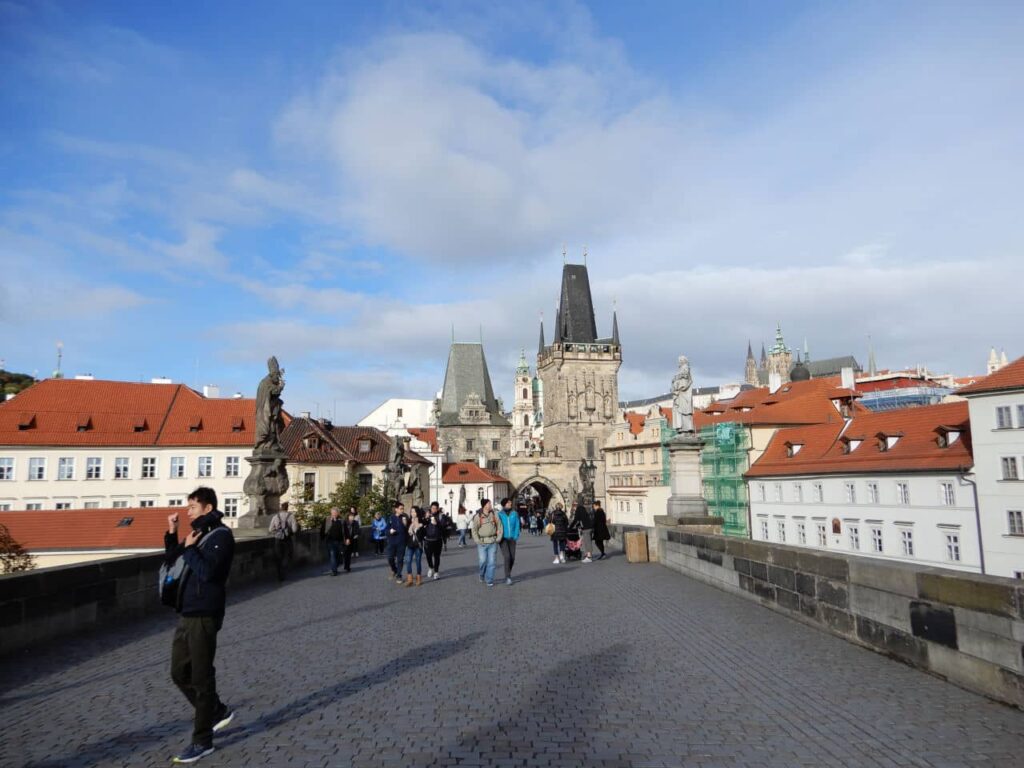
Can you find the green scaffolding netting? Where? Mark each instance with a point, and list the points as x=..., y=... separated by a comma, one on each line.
x=723, y=461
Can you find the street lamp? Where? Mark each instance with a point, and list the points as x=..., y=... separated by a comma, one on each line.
x=451, y=499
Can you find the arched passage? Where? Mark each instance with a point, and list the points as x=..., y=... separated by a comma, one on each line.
x=538, y=493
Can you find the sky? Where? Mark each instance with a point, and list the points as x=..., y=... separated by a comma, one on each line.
x=189, y=188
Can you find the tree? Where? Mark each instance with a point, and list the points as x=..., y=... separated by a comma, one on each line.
x=13, y=557
x=312, y=513
x=372, y=501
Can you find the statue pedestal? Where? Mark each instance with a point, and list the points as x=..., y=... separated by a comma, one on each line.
x=266, y=483
x=687, y=499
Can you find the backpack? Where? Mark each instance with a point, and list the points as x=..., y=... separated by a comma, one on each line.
x=173, y=576
x=285, y=531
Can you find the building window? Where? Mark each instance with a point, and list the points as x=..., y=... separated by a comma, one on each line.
x=122, y=468
x=876, y=539
x=495, y=445
x=798, y=493
x=494, y=464
x=903, y=493
x=308, y=485
x=231, y=506
x=872, y=493
x=66, y=468
x=120, y=504
x=365, y=483
x=94, y=468
x=764, y=530
x=640, y=457
x=591, y=448
x=851, y=493
x=854, y=533
x=1015, y=522
x=5, y=507
x=801, y=533
x=6, y=469
x=778, y=492
x=91, y=505
x=62, y=505
x=819, y=493
x=1020, y=416
x=231, y=466
x=640, y=507
x=1009, y=468
x=953, y=547
x=399, y=413
x=617, y=460
x=177, y=467
x=907, y=539
x=948, y=495
x=762, y=493
x=469, y=444
x=148, y=467
x=174, y=502
x=33, y=506
x=147, y=503
x=822, y=535
x=1003, y=418
x=1018, y=574
x=363, y=446
x=37, y=469
x=780, y=527
x=206, y=466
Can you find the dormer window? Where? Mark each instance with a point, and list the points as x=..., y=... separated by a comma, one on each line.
x=237, y=424
x=84, y=424
x=792, y=449
x=946, y=437
x=140, y=425
x=364, y=445
x=196, y=424
x=27, y=421
x=312, y=442
x=851, y=444
x=885, y=442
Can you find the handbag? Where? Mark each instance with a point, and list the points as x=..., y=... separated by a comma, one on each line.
x=549, y=529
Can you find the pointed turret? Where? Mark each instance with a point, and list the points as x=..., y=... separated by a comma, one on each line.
x=872, y=368
x=764, y=356
x=523, y=368
x=750, y=351
x=576, y=324
x=540, y=347
x=615, y=327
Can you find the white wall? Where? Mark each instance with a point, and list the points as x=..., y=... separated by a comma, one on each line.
x=162, y=490
x=926, y=517
x=636, y=505
x=414, y=413
x=474, y=492
x=1004, y=553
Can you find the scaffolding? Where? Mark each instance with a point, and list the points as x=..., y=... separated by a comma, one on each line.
x=724, y=459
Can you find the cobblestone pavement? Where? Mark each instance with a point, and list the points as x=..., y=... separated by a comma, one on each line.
x=605, y=664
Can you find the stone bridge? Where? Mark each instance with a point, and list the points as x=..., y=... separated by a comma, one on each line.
x=605, y=664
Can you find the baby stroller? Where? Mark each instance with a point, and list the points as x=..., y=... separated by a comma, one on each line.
x=573, y=544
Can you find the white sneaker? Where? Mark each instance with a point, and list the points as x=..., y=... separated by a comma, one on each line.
x=430, y=573
x=435, y=577
x=561, y=558
x=556, y=561
x=587, y=560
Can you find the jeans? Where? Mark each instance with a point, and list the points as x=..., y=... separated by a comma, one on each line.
x=411, y=554
x=508, y=555
x=192, y=652
x=558, y=545
x=486, y=555
x=333, y=553
x=462, y=536
x=396, y=556
x=433, y=549
x=378, y=546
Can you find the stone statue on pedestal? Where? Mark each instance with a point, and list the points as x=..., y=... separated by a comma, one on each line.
x=399, y=477
x=587, y=471
x=682, y=398
x=269, y=423
x=268, y=474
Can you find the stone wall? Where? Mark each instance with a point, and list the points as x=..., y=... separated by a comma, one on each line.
x=964, y=627
x=44, y=604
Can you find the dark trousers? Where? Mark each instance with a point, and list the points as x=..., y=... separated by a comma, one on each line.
x=378, y=546
x=396, y=557
x=433, y=550
x=334, y=553
x=192, y=670
x=282, y=556
x=508, y=555
x=347, y=554
x=599, y=543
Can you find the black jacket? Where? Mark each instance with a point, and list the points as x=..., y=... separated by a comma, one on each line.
x=561, y=523
x=601, y=532
x=202, y=591
x=351, y=532
x=582, y=518
x=334, y=530
x=433, y=531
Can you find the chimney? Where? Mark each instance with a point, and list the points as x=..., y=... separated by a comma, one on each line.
x=211, y=391
x=237, y=396
x=482, y=460
x=85, y=377
x=846, y=377
x=304, y=414
x=10, y=396
x=774, y=382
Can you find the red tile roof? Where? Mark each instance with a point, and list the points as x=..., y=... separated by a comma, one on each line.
x=636, y=422
x=426, y=434
x=468, y=472
x=69, y=412
x=78, y=529
x=1008, y=377
x=799, y=402
x=338, y=444
x=823, y=445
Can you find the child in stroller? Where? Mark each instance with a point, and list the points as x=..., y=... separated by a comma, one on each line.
x=573, y=544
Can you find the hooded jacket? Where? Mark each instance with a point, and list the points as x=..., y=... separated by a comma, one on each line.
x=202, y=591
x=510, y=524
x=486, y=527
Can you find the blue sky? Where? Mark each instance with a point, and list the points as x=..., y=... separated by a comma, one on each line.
x=189, y=188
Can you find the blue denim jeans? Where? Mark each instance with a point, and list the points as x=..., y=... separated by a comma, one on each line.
x=334, y=553
x=462, y=536
x=411, y=555
x=486, y=555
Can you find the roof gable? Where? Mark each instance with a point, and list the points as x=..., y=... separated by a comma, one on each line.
x=1009, y=377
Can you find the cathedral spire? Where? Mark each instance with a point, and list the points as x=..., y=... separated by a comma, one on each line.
x=540, y=347
x=764, y=356
x=750, y=351
x=576, y=324
x=872, y=368
x=615, y=327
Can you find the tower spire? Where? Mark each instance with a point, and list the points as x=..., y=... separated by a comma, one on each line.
x=872, y=368
x=615, y=327
x=540, y=347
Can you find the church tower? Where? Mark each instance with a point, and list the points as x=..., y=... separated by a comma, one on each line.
x=523, y=410
x=750, y=376
x=780, y=357
x=579, y=374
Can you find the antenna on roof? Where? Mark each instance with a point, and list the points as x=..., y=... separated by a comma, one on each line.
x=481, y=333
x=565, y=259
x=453, y=333
x=584, y=255
x=60, y=354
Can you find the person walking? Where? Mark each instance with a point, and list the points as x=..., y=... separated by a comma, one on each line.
x=446, y=527
x=486, y=527
x=283, y=527
x=207, y=553
x=398, y=535
x=350, y=534
x=601, y=532
x=433, y=540
x=511, y=524
x=559, y=526
x=582, y=519
x=334, y=536
x=462, y=520
x=414, y=549
x=379, y=533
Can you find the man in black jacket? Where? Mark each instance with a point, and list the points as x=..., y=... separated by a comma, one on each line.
x=350, y=530
x=207, y=552
x=334, y=534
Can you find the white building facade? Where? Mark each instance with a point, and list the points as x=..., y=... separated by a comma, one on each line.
x=400, y=413
x=996, y=405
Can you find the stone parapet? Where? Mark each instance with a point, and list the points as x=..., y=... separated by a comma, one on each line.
x=966, y=628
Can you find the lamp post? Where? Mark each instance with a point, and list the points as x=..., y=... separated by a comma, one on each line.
x=451, y=499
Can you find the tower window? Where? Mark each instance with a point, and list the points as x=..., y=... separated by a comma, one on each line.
x=526, y=394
